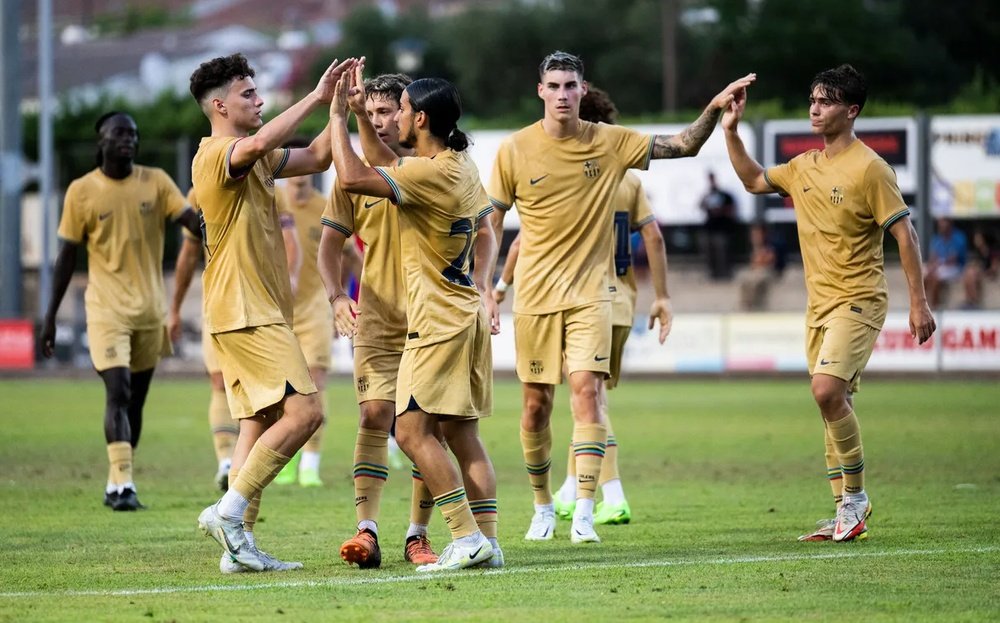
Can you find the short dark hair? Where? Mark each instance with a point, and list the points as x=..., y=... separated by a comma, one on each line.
x=99, y=127
x=387, y=86
x=561, y=60
x=219, y=72
x=843, y=85
x=439, y=99
x=596, y=106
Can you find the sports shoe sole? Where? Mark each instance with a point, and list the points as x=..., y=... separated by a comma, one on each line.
x=354, y=554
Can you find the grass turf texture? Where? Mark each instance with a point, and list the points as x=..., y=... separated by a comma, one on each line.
x=722, y=476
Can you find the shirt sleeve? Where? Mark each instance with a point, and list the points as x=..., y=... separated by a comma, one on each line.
x=276, y=160
x=882, y=194
x=502, y=189
x=73, y=222
x=642, y=211
x=634, y=148
x=171, y=199
x=410, y=180
x=780, y=177
x=339, y=211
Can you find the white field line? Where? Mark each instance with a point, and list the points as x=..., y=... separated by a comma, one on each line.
x=398, y=579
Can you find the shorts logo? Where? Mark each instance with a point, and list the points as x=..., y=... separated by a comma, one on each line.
x=856, y=309
x=369, y=204
x=836, y=196
x=535, y=180
x=362, y=384
x=101, y=217
x=826, y=362
x=111, y=353
x=535, y=366
x=597, y=358
x=591, y=169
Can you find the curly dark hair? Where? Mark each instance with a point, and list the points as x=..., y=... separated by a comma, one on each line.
x=219, y=72
x=843, y=85
x=596, y=106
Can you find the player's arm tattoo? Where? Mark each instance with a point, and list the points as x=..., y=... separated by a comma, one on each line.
x=690, y=140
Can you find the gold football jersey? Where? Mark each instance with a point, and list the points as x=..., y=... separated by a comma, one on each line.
x=310, y=298
x=632, y=212
x=123, y=223
x=842, y=207
x=381, y=295
x=564, y=193
x=439, y=201
x=246, y=274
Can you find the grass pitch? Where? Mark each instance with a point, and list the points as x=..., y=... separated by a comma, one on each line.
x=722, y=476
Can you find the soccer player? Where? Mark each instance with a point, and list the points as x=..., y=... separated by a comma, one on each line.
x=381, y=330
x=445, y=374
x=248, y=299
x=118, y=211
x=562, y=173
x=224, y=429
x=313, y=319
x=845, y=198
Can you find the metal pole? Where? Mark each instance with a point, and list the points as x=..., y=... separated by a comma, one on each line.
x=10, y=161
x=924, y=217
x=669, y=10
x=46, y=102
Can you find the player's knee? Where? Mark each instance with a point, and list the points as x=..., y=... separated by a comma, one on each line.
x=537, y=406
x=828, y=396
x=376, y=416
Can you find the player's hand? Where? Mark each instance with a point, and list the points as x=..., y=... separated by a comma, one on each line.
x=48, y=338
x=328, y=81
x=723, y=100
x=732, y=116
x=499, y=296
x=356, y=96
x=922, y=324
x=345, y=315
x=662, y=312
x=338, y=104
x=492, y=312
x=173, y=326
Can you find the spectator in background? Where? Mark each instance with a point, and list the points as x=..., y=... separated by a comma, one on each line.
x=720, y=223
x=984, y=262
x=755, y=281
x=946, y=263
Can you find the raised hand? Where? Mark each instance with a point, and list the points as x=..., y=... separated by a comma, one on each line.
x=722, y=101
x=341, y=91
x=328, y=81
x=357, y=96
x=734, y=114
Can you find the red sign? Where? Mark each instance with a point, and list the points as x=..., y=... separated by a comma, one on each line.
x=17, y=345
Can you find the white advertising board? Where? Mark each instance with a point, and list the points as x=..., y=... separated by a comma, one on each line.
x=965, y=166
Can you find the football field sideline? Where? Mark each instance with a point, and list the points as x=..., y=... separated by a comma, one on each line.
x=539, y=570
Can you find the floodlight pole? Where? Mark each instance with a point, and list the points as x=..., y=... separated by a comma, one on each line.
x=45, y=152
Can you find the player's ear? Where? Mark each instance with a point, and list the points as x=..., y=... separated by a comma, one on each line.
x=219, y=106
x=584, y=87
x=541, y=87
x=853, y=111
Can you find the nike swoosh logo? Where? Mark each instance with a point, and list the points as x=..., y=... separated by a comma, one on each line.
x=824, y=362
x=535, y=180
x=807, y=189
x=369, y=204
x=229, y=546
x=596, y=358
x=103, y=216
x=473, y=556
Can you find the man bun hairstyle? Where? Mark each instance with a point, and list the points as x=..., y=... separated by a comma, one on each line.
x=560, y=60
x=218, y=73
x=439, y=100
x=843, y=85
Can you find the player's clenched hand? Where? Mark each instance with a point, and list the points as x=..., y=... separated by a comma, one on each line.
x=922, y=323
x=662, y=312
x=356, y=96
x=722, y=101
x=492, y=312
x=345, y=315
x=328, y=81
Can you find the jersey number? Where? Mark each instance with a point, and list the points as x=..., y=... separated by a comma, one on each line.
x=623, y=244
x=455, y=273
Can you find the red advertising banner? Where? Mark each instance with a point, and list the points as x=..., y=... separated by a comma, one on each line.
x=17, y=345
